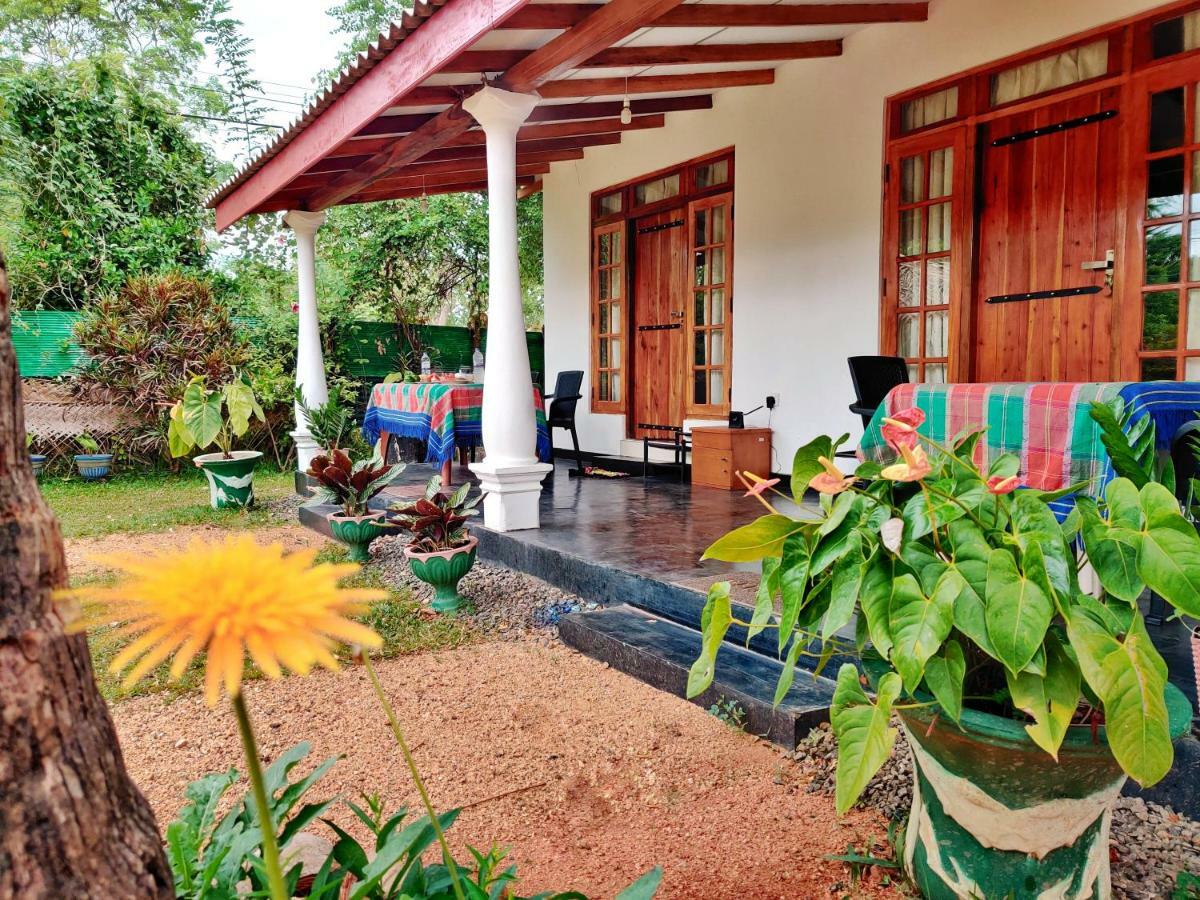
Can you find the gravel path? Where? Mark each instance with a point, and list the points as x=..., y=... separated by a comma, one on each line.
x=1150, y=842
x=590, y=776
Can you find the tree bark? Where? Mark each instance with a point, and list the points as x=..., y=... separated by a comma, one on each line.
x=72, y=823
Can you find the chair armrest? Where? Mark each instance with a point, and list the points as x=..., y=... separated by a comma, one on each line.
x=862, y=410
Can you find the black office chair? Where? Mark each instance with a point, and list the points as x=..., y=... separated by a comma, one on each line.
x=561, y=413
x=873, y=377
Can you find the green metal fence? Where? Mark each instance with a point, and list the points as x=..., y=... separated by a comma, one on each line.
x=46, y=346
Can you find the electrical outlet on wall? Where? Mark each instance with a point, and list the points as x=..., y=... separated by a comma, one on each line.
x=772, y=400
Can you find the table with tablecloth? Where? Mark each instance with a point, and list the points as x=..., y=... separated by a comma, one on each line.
x=1047, y=425
x=444, y=416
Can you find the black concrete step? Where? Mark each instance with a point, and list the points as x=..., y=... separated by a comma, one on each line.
x=660, y=653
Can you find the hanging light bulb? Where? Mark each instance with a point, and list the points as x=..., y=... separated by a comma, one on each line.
x=626, y=111
x=424, y=197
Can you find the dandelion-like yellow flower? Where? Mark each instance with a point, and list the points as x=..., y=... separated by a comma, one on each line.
x=228, y=598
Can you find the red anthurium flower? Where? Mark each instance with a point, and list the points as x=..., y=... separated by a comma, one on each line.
x=759, y=486
x=914, y=467
x=998, y=484
x=900, y=430
x=832, y=481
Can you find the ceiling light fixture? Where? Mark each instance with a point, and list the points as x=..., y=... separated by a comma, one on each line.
x=626, y=111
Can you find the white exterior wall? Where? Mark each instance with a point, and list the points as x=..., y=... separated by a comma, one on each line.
x=809, y=156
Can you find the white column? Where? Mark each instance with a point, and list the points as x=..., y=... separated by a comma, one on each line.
x=310, y=361
x=510, y=475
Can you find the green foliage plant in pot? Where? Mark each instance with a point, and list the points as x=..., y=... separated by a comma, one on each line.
x=1010, y=646
x=352, y=486
x=204, y=418
x=441, y=550
x=93, y=464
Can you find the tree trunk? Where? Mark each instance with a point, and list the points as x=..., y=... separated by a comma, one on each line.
x=72, y=823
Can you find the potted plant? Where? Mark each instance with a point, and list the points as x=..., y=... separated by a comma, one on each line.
x=352, y=486
x=37, y=461
x=205, y=418
x=441, y=551
x=92, y=464
x=1010, y=646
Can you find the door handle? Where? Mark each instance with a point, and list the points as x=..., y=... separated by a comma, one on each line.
x=1107, y=265
x=677, y=315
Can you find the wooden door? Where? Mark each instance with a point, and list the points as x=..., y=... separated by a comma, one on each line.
x=659, y=298
x=1049, y=211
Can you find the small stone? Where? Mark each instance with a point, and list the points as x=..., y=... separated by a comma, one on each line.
x=181, y=744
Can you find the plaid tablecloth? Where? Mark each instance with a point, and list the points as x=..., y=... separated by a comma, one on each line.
x=1046, y=425
x=445, y=416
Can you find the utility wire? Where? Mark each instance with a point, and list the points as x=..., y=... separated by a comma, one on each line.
x=229, y=121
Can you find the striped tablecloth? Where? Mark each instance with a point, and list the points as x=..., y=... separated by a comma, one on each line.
x=1047, y=425
x=445, y=416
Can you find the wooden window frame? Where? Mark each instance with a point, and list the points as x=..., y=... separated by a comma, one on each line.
x=619, y=274
x=693, y=409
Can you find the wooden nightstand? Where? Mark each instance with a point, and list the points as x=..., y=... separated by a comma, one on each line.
x=718, y=454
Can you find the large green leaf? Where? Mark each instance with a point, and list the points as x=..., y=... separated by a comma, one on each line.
x=920, y=624
x=1017, y=608
x=1113, y=552
x=944, y=674
x=932, y=506
x=715, y=620
x=874, y=599
x=1050, y=699
x=1169, y=560
x=788, y=675
x=1130, y=678
x=761, y=538
x=645, y=887
x=1034, y=523
x=179, y=439
x=805, y=465
x=971, y=552
x=202, y=413
x=793, y=583
x=240, y=405
x=865, y=740
x=764, y=600
x=847, y=581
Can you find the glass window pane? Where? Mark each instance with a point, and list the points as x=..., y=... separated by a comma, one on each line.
x=615, y=283
x=1050, y=73
x=912, y=179
x=712, y=173
x=1196, y=175
x=936, y=324
x=909, y=335
x=1193, y=320
x=937, y=277
x=701, y=235
x=1165, y=188
x=941, y=173
x=1160, y=320
x=615, y=379
x=658, y=189
x=718, y=306
x=914, y=373
x=939, y=228
x=716, y=347
x=1162, y=369
x=615, y=353
x=700, y=386
x=605, y=278
x=1176, y=35
x=698, y=354
x=605, y=249
x=1191, y=368
x=910, y=283
x=611, y=203
x=604, y=342
x=616, y=318
x=1163, y=252
x=910, y=232
x=605, y=393
x=717, y=263
x=718, y=224
x=701, y=308
x=604, y=308
x=935, y=373
x=929, y=109
x=1194, y=250
x=1166, y=119
x=701, y=263
x=716, y=382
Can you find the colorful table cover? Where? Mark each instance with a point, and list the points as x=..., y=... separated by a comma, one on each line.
x=445, y=416
x=1047, y=425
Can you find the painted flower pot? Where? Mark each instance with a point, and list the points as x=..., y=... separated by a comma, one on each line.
x=230, y=479
x=357, y=532
x=993, y=815
x=93, y=466
x=444, y=570
x=37, y=462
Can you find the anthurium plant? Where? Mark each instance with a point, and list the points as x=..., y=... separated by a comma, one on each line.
x=437, y=521
x=203, y=418
x=965, y=591
x=351, y=485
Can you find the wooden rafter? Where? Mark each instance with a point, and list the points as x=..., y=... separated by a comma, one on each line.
x=652, y=84
x=528, y=190
x=731, y=15
x=476, y=151
x=474, y=61
x=602, y=28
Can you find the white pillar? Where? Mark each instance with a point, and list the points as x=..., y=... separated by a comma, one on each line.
x=310, y=361
x=510, y=475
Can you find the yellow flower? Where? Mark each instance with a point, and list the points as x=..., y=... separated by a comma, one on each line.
x=228, y=598
x=914, y=467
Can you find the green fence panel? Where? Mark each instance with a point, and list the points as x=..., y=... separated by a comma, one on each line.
x=45, y=342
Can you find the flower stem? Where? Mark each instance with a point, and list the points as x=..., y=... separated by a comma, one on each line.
x=270, y=849
x=416, y=776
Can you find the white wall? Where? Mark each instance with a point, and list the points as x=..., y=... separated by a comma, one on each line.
x=807, y=197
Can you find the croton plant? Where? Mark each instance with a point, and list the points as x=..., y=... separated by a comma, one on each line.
x=436, y=521
x=351, y=485
x=965, y=591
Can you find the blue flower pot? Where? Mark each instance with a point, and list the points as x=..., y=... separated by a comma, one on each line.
x=93, y=466
x=37, y=462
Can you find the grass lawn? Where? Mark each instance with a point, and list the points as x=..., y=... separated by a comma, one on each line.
x=141, y=503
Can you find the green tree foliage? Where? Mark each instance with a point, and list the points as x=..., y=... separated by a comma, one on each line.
x=107, y=181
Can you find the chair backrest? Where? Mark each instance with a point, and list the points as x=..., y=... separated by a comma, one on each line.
x=873, y=377
x=566, y=395
x=1184, y=446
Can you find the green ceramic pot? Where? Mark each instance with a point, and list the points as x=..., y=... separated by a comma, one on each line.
x=444, y=570
x=230, y=479
x=993, y=815
x=93, y=466
x=357, y=532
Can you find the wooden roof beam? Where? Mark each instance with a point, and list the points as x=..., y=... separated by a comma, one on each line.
x=731, y=15
x=474, y=61
x=476, y=151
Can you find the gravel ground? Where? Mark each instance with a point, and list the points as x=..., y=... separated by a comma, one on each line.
x=1150, y=842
